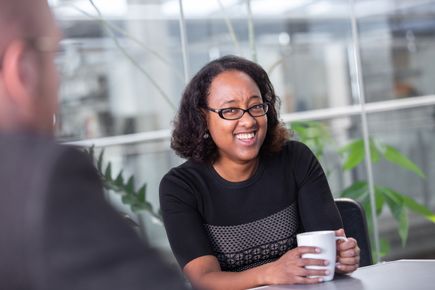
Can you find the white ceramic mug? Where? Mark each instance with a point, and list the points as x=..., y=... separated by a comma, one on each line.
x=325, y=241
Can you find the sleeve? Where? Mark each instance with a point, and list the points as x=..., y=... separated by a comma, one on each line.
x=316, y=205
x=183, y=222
x=87, y=245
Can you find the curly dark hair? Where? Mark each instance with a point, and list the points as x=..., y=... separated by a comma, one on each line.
x=190, y=124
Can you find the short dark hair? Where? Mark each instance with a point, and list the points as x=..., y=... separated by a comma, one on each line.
x=190, y=124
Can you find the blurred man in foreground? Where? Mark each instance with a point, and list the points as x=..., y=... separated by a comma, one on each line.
x=56, y=231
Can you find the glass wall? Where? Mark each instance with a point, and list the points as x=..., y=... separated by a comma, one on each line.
x=124, y=64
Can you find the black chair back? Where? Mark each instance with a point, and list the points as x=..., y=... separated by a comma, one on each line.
x=355, y=226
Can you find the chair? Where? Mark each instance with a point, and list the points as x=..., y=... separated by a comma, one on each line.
x=355, y=226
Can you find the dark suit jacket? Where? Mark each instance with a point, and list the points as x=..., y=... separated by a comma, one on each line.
x=56, y=230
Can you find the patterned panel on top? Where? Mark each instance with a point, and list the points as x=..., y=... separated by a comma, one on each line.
x=244, y=246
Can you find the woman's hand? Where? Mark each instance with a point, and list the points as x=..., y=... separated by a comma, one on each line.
x=290, y=268
x=347, y=254
x=205, y=272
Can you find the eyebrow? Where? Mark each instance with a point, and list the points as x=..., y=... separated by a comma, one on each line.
x=229, y=102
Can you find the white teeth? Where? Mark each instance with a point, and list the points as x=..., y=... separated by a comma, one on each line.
x=244, y=136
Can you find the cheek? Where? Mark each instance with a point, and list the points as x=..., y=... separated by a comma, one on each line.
x=262, y=123
x=220, y=130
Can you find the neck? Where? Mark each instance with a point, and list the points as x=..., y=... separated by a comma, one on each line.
x=235, y=171
x=10, y=122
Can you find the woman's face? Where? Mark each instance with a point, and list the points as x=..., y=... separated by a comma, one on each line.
x=237, y=140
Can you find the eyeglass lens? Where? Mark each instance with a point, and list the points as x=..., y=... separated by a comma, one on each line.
x=237, y=113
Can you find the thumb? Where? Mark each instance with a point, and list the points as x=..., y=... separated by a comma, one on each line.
x=340, y=233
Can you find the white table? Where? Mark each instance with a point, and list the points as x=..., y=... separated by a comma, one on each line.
x=395, y=275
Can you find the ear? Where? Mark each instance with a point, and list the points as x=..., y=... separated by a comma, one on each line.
x=205, y=115
x=20, y=76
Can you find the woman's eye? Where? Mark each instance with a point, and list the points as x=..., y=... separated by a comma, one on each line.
x=258, y=107
x=230, y=111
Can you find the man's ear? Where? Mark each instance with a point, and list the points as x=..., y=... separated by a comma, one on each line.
x=20, y=75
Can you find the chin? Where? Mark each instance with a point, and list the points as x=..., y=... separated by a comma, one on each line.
x=248, y=156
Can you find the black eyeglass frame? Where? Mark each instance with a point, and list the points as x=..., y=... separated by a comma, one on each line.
x=220, y=112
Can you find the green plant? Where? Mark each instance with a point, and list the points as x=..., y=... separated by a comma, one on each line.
x=135, y=198
x=316, y=135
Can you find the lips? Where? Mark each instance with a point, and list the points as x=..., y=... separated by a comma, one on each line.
x=245, y=136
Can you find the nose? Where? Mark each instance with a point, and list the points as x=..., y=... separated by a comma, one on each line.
x=247, y=120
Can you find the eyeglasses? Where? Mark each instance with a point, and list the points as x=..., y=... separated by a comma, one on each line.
x=44, y=43
x=237, y=113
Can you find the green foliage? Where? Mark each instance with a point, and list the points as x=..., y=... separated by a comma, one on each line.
x=314, y=134
x=385, y=247
x=353, y=154
x=136, y=199
x=394, y=156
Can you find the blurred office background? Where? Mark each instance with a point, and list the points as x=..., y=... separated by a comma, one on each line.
x=124, y=64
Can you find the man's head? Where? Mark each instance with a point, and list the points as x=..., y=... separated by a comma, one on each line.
x=28, y=77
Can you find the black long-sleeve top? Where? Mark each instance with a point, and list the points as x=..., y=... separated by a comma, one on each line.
x=249, y=223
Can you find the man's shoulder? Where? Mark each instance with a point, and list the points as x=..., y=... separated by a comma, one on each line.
x=18, y=142
x=32, y=150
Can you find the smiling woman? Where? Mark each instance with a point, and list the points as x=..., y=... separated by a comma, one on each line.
x=232, y=211
x=203, y=93
x=238, y=141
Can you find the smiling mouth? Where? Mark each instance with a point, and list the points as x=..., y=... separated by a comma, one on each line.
x=245, y=136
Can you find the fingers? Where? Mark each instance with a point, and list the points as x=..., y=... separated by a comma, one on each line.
x=305, y=271
x=348, y=248
x=299, y=269
x=349, y=261
x=346, y=245
x=314, y=262
x=307, y=280
x=348, y=256
x=296, y=256
x=314, y=272
x=310, y=276
x=306, y=250
x=353, y=252
x=342, y=268
x=340, y=233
